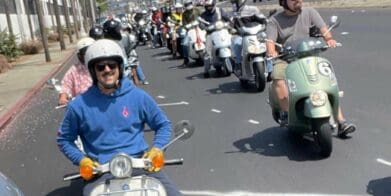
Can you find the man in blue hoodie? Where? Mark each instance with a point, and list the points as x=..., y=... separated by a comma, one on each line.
x=110, y=118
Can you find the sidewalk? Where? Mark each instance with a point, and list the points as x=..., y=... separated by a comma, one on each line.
x=26, y=77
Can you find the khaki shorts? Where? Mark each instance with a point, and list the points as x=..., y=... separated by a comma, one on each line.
x=279, y=70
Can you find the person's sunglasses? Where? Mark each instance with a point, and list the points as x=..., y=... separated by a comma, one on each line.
x=101, y=66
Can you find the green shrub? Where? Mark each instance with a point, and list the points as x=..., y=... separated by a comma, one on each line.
x=8, y=45
x=31, y=47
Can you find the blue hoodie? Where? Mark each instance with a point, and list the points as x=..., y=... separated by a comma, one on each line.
x=109, y=124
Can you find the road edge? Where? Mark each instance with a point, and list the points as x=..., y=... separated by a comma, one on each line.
x=19, y=105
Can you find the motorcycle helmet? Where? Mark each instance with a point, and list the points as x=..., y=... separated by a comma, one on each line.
x=82, y=46
x=210, y=5
x=96, y=32
x=284, y=4
x=153, y=9
x=178, y=7
x=188, y=4
x=100, y=50
x=112, y=29
x=238, y=3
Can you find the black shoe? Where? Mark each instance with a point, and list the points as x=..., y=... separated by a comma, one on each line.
x=283, y=119
x=345, y=128
x=269, y=77
x=206, y=75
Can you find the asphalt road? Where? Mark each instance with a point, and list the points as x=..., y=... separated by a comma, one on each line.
x=237, y=148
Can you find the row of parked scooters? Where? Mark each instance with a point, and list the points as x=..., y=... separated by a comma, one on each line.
x=253, y=68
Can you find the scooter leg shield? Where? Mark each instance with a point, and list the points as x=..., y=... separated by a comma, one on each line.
x=312, y=111
x=225, y=52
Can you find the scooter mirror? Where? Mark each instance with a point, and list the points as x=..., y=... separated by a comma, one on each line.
x=334, y=21
x=184, y=128
x=53, y=84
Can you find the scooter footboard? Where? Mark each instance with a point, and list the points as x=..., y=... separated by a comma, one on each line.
x=312, y=111
x=135, y=186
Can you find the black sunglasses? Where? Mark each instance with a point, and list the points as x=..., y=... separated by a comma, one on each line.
x=101, y=66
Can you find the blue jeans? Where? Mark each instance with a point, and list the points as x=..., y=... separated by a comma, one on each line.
x=140, y=73
x=170, y=187
x=237, y=49
x=185, y=46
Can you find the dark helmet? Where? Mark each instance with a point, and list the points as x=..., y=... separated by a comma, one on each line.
x=103, y=49
x=188, y=4
x=284, y=4
x=112, y=29
x=210, y=5
x=96, y=32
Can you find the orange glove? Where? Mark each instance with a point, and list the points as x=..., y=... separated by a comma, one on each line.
x=86, y=168
x=157, y=157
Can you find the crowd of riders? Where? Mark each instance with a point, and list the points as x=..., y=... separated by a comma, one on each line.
x=108, y=71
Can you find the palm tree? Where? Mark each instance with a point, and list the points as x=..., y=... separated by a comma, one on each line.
x=42, y=29
x=7, y=14
x=59, y=26
x=67, y=21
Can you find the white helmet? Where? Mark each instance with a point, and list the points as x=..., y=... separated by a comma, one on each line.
x=83, y=43
x=178, y=6
x=103, y=49
x=153, y=8
x=188, y=4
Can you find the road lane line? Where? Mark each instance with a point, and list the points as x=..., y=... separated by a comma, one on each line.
x=161, y=97
x=253, y=122
x=175, y=103
x=215, y=110
x=382, y=161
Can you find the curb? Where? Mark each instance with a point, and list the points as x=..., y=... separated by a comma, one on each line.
x=19, y=105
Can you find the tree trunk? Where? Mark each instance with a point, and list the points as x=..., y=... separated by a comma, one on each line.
x=59, y=26
x=42, y=28
x=29, y=19
x=67, y=21
x=75, y=19
x=7, y=14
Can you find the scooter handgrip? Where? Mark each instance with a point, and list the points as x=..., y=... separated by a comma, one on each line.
x=174, y=162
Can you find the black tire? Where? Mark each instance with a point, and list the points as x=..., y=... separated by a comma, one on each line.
x=276, y=116
x=260, y=79
x=169, y=45
x=322, y=135
x=244, y=84
x=226, y=71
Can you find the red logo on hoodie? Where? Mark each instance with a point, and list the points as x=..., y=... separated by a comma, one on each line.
x=125, y=112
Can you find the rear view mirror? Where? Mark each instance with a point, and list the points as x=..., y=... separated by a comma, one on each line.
x=184, y=129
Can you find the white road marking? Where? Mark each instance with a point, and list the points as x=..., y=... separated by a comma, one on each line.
x=163, y=57
x=241, y=193
x=216, y=111
x=161, y=97
x=253, y=122
x=382, y=161
x=176, y=103
x=345, y=33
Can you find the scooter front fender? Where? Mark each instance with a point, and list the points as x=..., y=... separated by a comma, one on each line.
x=225, y=52
x=312, y=111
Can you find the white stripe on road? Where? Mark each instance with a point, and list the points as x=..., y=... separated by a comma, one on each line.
x=382, y=161
x=163, y=57
x=176, y=103
x=241, y=193
x=216, y=111
x=161, y=97
x=254, y=122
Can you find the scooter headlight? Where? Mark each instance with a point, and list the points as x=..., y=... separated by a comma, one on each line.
x=318, y=98
x=141, y=22
x=121, y=166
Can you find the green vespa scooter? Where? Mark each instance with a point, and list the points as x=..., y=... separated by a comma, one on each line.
x=313, y=91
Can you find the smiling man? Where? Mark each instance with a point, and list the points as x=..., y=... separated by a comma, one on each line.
x=110, y=116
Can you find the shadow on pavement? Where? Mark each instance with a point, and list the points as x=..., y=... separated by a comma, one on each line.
x=231, y=87
x=379, y=187
x=277, y=141
x=74, y=189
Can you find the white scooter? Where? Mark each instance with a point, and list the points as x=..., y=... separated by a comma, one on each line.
x=121, y=166
x=219, y=47
x=197, y=40
x=253, y=66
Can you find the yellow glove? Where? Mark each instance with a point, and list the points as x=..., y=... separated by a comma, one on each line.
x=86, y=168
x=157, y=158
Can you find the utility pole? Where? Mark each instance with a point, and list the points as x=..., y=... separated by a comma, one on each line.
x=66, y=12
x=42, y=29
x=59, y=26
